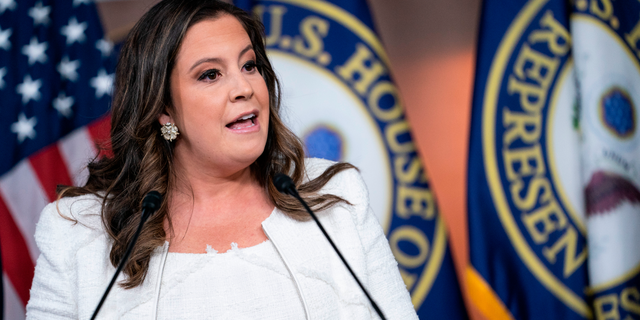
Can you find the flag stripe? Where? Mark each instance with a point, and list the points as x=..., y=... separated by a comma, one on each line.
x=484, y=298
x=77, y=149
x=16, y=262
x=24, y=209
x=43, y=150
x=13, y=308
x=50, y=169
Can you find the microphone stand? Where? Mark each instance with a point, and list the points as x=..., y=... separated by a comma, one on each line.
x=285, y=185
x=150, y=205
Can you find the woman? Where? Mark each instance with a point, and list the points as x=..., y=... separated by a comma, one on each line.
x=210, y=142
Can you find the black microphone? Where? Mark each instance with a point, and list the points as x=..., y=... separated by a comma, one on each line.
x=285, y=185
x=150, y=204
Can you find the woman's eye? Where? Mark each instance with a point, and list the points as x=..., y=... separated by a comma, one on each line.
x=250, y=66
x=210, y=75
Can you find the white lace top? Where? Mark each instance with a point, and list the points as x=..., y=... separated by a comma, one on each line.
x=246, y=283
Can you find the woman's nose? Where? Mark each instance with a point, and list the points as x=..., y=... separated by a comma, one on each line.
x=242, y=89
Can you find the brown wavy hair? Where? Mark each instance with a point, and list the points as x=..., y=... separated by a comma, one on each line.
x=142, y=159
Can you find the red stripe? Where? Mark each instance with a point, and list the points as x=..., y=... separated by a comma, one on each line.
x=16, y=261
x=100, y=133
x=50, y=169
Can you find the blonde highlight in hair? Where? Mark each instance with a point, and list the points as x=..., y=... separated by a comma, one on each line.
x=143, y=161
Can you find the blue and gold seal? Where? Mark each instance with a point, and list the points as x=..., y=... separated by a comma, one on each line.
x=528, y=222
x=338, y=96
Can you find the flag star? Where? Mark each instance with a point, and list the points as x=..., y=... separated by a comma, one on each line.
x=24, y=127
x=29, y=89
x=74, y=31
x=63, y=104
x=68, y=69
x=103, y=83
x=105, y=46
x=40, y=14
x=3, y=71
x=35, y=51
x=4, y=38
x=79, y=2
x=7, y=4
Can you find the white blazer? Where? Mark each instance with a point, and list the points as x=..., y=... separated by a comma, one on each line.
x=73, y=269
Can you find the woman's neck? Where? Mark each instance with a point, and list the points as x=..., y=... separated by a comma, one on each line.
x=232, y=208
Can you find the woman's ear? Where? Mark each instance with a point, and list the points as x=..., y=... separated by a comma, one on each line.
x=164, y=118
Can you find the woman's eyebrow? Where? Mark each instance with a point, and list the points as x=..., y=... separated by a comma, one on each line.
x=204, y=60
x=247, y=48
x=218, y=60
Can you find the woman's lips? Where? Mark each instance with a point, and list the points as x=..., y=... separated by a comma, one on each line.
x=246, y=123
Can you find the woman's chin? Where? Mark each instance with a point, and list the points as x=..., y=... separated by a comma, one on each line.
x=246, y=159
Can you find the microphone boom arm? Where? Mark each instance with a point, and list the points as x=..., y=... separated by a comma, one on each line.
x=285, y=185
x=150, y=205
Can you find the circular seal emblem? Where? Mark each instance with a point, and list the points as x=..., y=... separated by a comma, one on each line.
x=531, y=145
x=560, y=149
x=338, y=97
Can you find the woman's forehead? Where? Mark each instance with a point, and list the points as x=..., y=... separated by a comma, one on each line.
x=225, y=29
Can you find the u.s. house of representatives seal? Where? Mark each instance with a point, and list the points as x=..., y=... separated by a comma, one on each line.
x=339, y=98
x=531, y=151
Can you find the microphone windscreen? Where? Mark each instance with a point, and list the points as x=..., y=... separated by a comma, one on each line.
x=283, y=183
x=152, y=201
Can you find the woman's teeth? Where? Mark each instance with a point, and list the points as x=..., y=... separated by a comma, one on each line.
x=246, y=117
x=243, y=122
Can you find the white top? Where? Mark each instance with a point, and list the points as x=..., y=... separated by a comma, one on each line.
x=245, y=283
x=73, y=269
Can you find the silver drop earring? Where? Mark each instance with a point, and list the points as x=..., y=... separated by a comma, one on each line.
x=169, y=131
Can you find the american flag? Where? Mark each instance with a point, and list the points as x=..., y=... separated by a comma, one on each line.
x=56, y=75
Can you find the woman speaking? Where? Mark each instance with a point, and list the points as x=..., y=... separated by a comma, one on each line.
x=195, y=117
